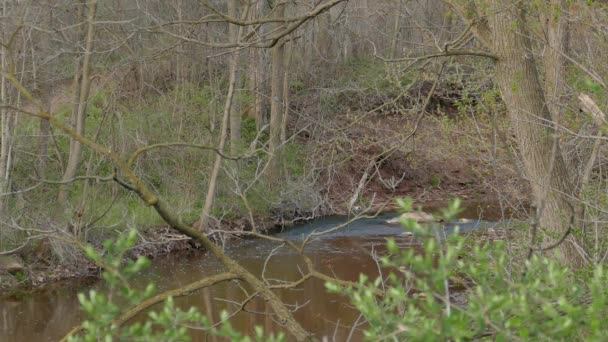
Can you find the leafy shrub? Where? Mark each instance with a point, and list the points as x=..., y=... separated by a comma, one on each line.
x=168, y=324
x=540, y=301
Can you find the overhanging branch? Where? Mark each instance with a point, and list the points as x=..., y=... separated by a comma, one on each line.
x=180, y=292
x=448, y=53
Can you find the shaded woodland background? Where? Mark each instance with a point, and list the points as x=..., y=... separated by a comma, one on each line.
x=250, y=114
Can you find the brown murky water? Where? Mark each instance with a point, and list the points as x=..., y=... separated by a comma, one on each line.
x=47, y=315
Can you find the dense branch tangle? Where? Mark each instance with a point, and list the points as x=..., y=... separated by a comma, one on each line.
x=236, y=271
x=149, y=198
x=289, y=25
x=181, y=31
x=502, y=29
x=127, y=178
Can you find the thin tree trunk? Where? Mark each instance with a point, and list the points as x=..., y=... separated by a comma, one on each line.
x=396, y=21
x=261, y=103
x=276, y=104
x=256, y=70
x=556, y=22
x=210, y=198
x=323, y=36
x=44, y=130
x=4, y=123
x=252, y=85
x=235, y=111
x=288, y=58
x=82, y=91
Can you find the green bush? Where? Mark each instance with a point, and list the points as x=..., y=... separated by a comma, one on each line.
x=168, y=324
x=538, y=301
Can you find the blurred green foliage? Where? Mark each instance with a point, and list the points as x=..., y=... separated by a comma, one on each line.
x=538, y=300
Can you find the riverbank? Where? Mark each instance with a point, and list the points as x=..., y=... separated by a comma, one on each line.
x=364, y=173
x=162, y=241
x=429, y=181
x=50, y=311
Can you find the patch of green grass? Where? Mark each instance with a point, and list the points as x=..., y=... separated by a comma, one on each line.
x=294, y=158
x=20, y=276
x=366, y=73
x=435, y=181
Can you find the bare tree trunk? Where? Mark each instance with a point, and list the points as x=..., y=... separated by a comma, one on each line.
x=288, y=58
x=82, y=92
x=44, y=130
x=235, y=111
x=253, y=82
x=256, y=71
x=43, y=147
x=556, y=23
x=517, y=78
x=323, y=37
x=276, y=104
x=217, y=165
x=396, y=29
x=4, y=122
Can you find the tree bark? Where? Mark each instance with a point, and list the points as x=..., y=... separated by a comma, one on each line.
x=256, y=68
x=323, y=36
x=210, y=198
x=253, y=85
x=396, y=29
x=556, y=23
x=522, y=91
x=44, y=130
x=4, y=127
x=288, y=58
x=235, y=111
x=276, y=104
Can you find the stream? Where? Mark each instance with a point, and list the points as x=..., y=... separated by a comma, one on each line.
x=48, y=314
